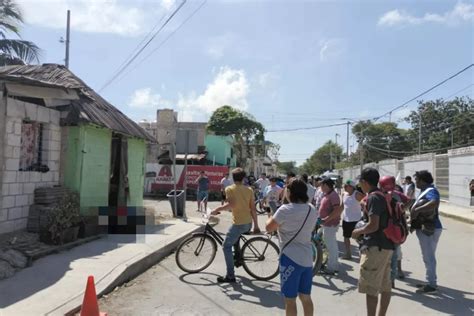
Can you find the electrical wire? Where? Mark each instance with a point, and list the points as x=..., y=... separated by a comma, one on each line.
x=305, y=128
x=128, y=63
x=164, y=41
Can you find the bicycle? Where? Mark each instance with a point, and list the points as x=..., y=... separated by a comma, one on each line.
x=259, y=207
x=259, y=256
x=320, y=252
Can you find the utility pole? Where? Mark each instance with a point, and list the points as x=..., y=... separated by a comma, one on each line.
x=419, y=133
x=185, y=218
x=68, y=31
x=361, y=155
x=347, y=140
x=330, y=156
x=335, y=151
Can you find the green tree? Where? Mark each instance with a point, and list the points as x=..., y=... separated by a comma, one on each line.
x=245, y=129
x=444, y=124
x=381, y=141
x=14, y=51
x=324, y=158
x=287, y=166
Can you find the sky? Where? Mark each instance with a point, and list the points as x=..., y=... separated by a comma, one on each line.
x=291, y=64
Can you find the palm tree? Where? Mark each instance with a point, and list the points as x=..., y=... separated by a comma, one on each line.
x=14, y=51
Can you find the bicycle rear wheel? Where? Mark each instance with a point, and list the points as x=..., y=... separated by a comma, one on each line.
x=196, y=253
x=259, y=207
x=261, y=258
x=317, y=256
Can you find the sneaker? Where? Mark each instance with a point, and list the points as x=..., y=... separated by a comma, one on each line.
x=225, y=280
x=401, y=275
x=326, y=271
x=427, y=289
x=420, y=285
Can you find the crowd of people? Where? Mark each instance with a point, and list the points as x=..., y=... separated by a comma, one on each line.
x=367, y=209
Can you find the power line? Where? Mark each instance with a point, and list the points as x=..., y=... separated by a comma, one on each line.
x=425, y=92
x=165, y=40
x=305, y=128
x=122, y=69
x=465, y=88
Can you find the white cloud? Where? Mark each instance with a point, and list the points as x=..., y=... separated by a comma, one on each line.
x=331, y=49
x=462, y=12
x=229, y=87
x=145, y=98
x=167, y=4
x=95, y=16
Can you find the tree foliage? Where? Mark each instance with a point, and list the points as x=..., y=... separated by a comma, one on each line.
x=443, y=124
x=245, y=129
x=323, y=159
x=14, y=51
x=381, y=141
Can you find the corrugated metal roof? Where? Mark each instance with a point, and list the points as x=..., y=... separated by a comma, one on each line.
x=90, y=107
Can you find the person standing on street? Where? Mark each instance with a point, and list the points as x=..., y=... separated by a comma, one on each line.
x=330, y=213
x=409, y=188
x=203, y=189
x=376, y=249
x=426, y=208
x=240, y=200
x=295, y=223
x=351, y=215
x=318, y=194
x=271, y=196
x=225, y=182
x=311, y=190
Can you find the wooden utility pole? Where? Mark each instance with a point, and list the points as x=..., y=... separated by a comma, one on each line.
x=68, y=31
x=347, y=140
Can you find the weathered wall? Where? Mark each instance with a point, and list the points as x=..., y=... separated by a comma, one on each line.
x=388, y=167
x=461, y=171
x=18, y=186
x=136, y=170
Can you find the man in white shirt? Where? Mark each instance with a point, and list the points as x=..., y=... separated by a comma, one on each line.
x=225, y=182
x=311, y=190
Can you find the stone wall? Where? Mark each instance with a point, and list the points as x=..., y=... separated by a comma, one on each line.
x=18, y=186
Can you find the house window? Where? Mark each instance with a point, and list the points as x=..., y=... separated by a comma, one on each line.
x=31, y=152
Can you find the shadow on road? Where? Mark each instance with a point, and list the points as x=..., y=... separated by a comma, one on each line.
x=261, y=293
x=350, y=282
x=447, y=300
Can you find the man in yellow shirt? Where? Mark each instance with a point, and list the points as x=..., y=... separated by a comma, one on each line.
x=240, y=200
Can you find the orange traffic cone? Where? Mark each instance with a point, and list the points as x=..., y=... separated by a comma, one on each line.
x=90, y=307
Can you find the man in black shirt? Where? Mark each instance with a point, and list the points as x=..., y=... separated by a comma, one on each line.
x=376, y=249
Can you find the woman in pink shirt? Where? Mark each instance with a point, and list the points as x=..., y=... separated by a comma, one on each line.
x=330, y=213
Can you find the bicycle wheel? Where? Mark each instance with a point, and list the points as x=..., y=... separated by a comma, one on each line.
x=261, y=258
x=260, y=209
x=317, y=256
x=196, y=253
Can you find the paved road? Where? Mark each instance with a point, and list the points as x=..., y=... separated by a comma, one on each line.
x=166, y=290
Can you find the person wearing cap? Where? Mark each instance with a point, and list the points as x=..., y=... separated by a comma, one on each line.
x=330, y=213
x=351, y=215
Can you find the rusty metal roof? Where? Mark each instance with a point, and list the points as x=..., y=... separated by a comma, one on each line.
x=90, y=107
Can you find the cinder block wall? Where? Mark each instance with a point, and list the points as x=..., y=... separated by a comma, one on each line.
x=17, y=191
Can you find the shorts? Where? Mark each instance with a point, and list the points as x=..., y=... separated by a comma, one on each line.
x=201, y=195
x=375, y=271
x=348, y=228
x=294, y=278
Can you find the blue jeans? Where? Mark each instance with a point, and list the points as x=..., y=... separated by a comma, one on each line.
x=428, y=246
x=232, y=239
x=394, y=263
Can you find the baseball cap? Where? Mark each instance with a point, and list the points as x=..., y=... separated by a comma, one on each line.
x=350, y=182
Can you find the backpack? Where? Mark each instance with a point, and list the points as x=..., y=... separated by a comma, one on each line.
x=397, y=227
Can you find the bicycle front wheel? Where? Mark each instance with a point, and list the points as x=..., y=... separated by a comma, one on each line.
x=196, y=253
x=259, y=207
x=261, y=258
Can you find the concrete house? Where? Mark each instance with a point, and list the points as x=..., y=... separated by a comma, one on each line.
x=55, y=130
x=220, y=150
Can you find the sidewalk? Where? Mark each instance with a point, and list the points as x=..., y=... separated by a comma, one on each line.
x=54, y=285
x=463, y=214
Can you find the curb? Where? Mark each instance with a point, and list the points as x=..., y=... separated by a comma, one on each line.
x=458, y=217
x=123, y=273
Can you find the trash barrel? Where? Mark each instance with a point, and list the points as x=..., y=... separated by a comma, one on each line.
x=179, y=212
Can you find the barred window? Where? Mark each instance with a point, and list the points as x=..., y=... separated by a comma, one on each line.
x=31, y=151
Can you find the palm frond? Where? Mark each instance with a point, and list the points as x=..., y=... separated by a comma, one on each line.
x=9, y=60
x=24, y=50
x=10, y=10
